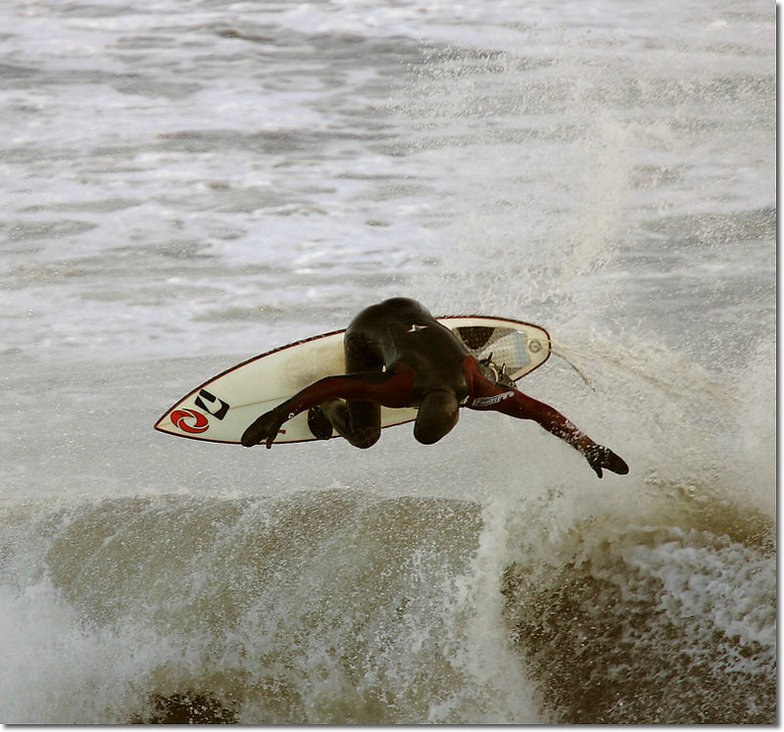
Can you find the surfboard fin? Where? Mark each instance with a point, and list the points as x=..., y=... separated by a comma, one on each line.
x=504, y=379
x=498, y=374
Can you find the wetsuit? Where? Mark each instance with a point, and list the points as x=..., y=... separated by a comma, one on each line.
x=398, y=355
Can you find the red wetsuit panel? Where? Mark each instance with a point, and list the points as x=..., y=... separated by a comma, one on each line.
x=487, y=396
x=388, y=390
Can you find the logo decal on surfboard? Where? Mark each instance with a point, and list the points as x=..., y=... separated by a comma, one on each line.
x=212, y=404
x=189, y=421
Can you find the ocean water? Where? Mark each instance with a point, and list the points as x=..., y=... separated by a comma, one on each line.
x=186, y=185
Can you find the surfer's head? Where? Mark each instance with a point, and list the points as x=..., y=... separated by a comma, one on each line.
x=437, y=415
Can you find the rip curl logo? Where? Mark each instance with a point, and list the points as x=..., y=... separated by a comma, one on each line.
x=189, y=421
x=490, y=400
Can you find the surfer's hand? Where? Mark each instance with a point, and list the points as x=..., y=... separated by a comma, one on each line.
x=265, y=427
x=599, y=457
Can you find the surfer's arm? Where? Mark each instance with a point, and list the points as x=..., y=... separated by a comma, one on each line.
x=522, y=406
x=387, y=389
x=511, y=401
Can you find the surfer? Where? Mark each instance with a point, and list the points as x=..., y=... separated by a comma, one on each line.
x=398, y=355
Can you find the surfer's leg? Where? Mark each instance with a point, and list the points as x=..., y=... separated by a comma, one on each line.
x=358, y=421
x=368, y=345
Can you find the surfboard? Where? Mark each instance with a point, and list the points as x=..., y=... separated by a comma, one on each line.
x=220, y=409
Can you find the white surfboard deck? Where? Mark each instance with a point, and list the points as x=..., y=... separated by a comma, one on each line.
x=221, y=409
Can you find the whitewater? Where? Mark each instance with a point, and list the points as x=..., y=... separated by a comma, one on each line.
x=187, y=185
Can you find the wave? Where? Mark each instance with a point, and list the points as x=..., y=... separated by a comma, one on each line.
x=318, y=607
x=341, y=606
x=664, y=623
